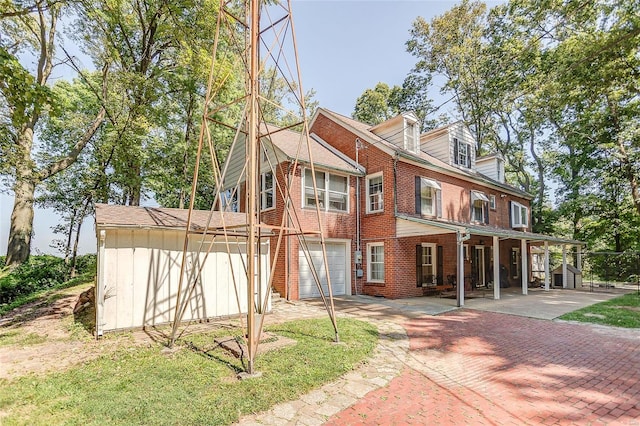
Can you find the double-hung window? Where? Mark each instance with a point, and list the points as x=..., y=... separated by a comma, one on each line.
x=519, y=215
x=230, y=200
x=428, y=197
x=410, y=137
x=375, y=194
x=333, y=191
x=479, y=207
x=461, y=153
x=267, y=200
x=492, y=201
x=375, y=262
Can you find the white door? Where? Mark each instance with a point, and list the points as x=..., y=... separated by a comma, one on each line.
x=338, y=270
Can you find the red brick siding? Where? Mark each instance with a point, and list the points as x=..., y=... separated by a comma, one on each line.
x=456, y=196
x=336, y=225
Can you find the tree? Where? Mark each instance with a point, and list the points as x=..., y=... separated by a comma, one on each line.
x=25, y=98
x=451, y=46
x=584, y=79
x=378, y=104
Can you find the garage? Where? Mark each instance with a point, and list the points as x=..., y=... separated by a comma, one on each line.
x=140, y=253
x=339, y=267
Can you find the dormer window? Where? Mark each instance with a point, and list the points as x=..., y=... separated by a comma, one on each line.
x=461, y=153
x=410, y=136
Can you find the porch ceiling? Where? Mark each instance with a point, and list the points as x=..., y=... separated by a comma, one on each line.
x=413, y=226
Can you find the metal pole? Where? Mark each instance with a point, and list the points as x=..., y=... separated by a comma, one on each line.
x=252, y=176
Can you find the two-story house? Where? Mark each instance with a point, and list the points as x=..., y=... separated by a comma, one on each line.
x=403, y=214
x=288, y=200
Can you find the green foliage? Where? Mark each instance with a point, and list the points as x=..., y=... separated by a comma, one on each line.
x=40, y=273
x=377, y=105
x=195, y=385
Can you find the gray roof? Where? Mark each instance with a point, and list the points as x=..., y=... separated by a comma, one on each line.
x=112, y=216
x=293, y=145
x=426, y=159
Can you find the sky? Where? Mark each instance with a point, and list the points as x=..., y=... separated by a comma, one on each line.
x=344, y=48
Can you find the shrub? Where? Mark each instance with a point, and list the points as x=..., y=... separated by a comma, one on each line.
x=39, y=273
x=86, y=264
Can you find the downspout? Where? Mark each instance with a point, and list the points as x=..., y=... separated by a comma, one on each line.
x=395, y=185
x=358, y=266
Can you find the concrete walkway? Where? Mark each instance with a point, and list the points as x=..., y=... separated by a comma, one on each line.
x=494, y=362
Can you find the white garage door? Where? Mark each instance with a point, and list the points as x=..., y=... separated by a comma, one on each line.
x=338, y=270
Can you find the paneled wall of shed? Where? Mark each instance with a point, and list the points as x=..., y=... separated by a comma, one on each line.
x=139, y=274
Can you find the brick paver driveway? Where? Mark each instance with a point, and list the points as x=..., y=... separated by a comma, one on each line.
x=473, y=367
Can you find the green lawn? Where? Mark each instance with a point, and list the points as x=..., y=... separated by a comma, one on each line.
x=194, y=385
x=623, y=311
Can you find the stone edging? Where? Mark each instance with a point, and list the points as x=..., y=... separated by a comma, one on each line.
x=317, y=406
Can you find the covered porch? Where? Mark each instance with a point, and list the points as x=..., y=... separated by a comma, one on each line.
x=485, y=251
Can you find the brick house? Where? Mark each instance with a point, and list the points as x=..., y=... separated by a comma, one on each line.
x=404, y=214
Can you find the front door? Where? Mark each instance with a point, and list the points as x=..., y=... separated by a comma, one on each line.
x=479, y=266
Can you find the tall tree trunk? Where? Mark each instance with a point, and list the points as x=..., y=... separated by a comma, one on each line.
x=19, y=246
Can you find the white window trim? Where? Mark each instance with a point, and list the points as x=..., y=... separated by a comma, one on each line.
x=368, y=203
x=416, y=143
x=434, y=259
x=326, y=202
x=516, y=221
x=369, y=246
x=230, y=201
x=467, y=147
x=434, y=186
x=479, y=196
x=492, y=202
x=263, y=191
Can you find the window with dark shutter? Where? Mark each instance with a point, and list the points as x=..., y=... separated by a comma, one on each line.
x=455, y=150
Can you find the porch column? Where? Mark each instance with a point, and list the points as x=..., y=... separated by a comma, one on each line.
x=460, y=278
x=524, y=273
x=564, y=266
x=547, y=277
x=579, y=257
x=496, y=268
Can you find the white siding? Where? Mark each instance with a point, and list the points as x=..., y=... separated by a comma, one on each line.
x=438, y=147
x=492, y=167
x=141, y=275
x=394, y=135
x=406, y=228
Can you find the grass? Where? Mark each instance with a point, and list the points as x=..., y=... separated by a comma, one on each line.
x=194, y=385
x=14, y=337
x=623, y=311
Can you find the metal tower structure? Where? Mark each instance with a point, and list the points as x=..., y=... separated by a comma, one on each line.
x=256, y=37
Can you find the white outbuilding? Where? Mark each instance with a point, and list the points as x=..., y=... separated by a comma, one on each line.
x=140, y=251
